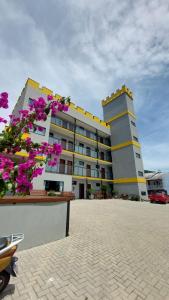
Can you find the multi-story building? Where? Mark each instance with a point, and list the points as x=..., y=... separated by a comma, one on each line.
x=157, y=181
x=95, y=152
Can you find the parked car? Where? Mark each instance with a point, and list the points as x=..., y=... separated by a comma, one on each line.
x=159, y=197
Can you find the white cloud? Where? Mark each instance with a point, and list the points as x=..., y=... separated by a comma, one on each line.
x=85, y=48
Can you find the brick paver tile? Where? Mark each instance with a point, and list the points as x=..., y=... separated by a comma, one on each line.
x=117, y=250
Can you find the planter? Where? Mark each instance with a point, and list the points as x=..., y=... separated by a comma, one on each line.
x=42, y=219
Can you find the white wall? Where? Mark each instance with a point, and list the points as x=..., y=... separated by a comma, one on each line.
x=166, y=182
x=39, y=182
x=41, y=223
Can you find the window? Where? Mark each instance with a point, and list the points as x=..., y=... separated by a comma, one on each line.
x=101, y=139
x=140, y=173
x=51, y=134
x=81, y=163
x=63, y=143
x=64, y=124
x=30, y=101
x=70, y=146
x=143, y=193
x=71, y=126
x=88, y=151
x=138, y=155
x=133, y=123
x=38, y=130
x=57, y=186
x=107, y=141
x=74, y=182
x=88, y=133
x=135, y=138
x=97, y=184
x=92, y=135
x=81, y=148
x=56, y=120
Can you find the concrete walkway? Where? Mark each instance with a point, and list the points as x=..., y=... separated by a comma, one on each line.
x=117, y=249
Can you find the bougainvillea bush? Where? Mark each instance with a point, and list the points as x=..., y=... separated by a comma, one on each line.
x=16, y=172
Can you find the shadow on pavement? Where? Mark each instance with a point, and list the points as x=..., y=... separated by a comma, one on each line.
x=8, y=291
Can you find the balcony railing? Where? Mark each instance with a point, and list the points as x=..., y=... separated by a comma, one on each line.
x=79, y=149
x=79, y=171
x=79, y=130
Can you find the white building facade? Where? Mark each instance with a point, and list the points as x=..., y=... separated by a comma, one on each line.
x=86, y=160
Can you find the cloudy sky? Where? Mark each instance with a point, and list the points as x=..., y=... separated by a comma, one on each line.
x=89, y=48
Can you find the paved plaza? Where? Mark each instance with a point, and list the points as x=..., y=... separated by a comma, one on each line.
x=117, y=249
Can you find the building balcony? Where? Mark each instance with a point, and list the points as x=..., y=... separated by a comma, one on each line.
x=80, y=131
x=86, y=151
x=80, y=171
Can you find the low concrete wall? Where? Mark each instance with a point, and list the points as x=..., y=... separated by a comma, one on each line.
x=40, y=222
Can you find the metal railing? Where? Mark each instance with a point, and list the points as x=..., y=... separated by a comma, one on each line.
x=79, y=130
x=79, y=149
x=67, y=169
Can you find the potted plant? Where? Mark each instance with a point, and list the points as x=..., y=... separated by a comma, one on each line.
x=115, y=194
x=104, y=191
x=91, y=193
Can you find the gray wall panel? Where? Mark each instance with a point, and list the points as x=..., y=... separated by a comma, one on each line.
x=40, y=223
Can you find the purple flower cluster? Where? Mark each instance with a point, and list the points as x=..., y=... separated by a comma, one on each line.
x=4, y=100
x=36, y=172
x=56, y=106
x=20, y=174
x=38, y=107
x=2, y=120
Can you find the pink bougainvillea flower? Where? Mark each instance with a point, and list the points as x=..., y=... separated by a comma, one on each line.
x=2, y=120
x=4, y=95
x=37, y=172
x=50, y=97
x=40, y=128
x=65, y=108
x=21, y=172
x=5, y=176
x=57, y=148
x=24, y=113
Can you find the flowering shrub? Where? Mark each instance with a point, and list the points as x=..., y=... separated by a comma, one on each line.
x=17, y=173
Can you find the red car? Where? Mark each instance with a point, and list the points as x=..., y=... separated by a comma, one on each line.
x=159, y=197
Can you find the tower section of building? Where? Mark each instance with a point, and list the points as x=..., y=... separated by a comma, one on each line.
x=127, y=164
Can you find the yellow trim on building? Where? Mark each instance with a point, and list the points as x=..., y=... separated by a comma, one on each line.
x=119, y=180
x=46, y=91
x=127, y=112
x=130, y=180
x=96, y=119
x=85, y=137
x=88, y=157
x=60, y=127
x=91, y=178
x=89, y=115
x=104, y=145
x=34, y=84
x=117, y=94
x=125, y=144
x=25, y=154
